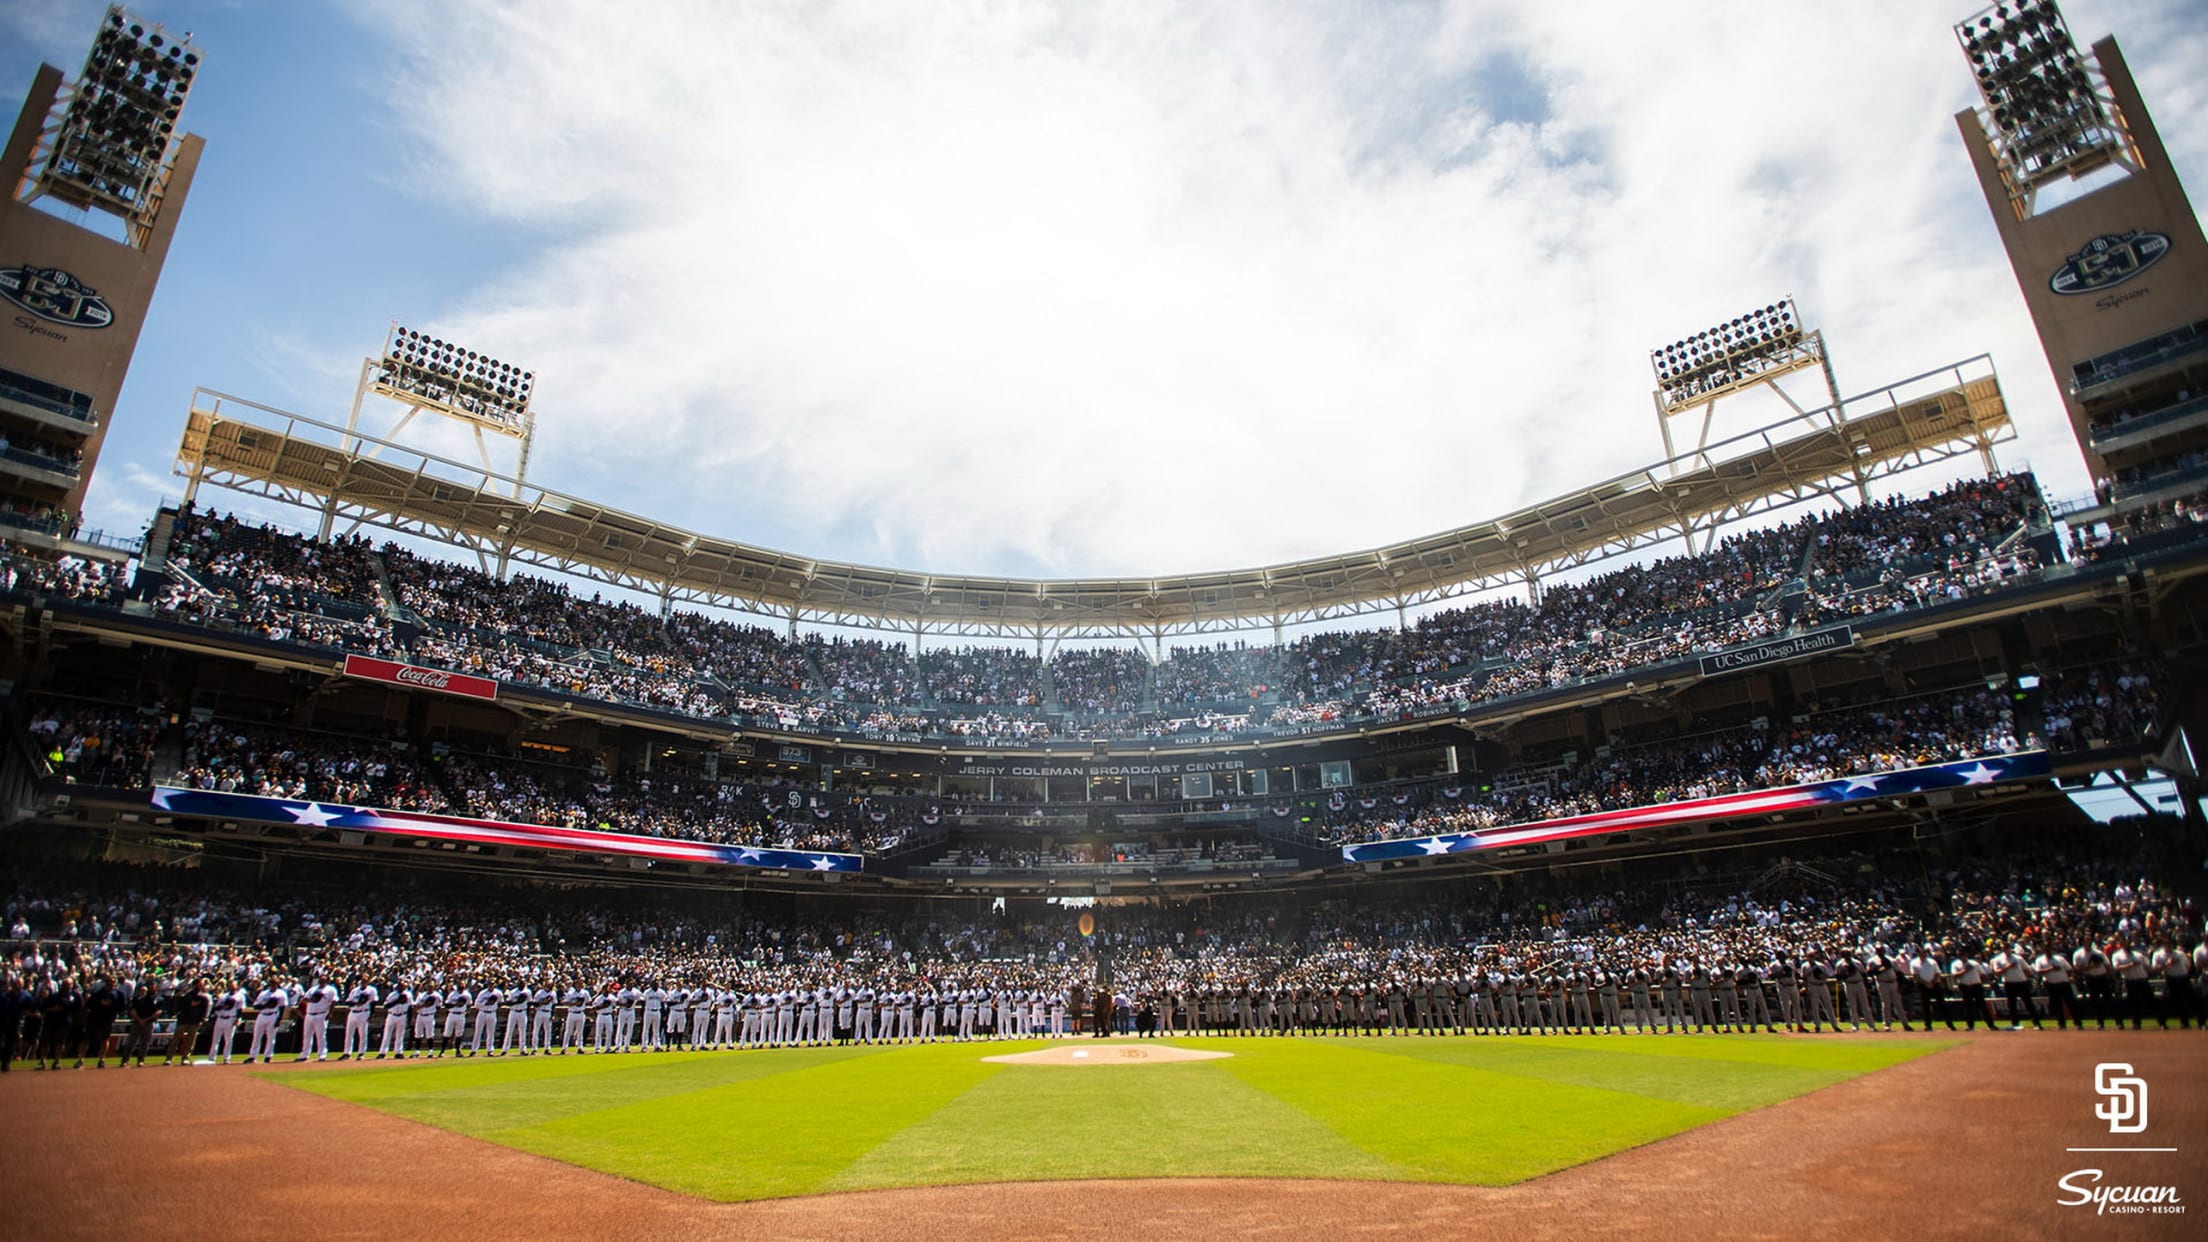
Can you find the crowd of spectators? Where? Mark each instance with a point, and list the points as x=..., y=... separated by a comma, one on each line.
x=69, y=577
x=43, y=453
x=1512, y=955
x=1868, y=559
x=96, y=743
x=1827, y=745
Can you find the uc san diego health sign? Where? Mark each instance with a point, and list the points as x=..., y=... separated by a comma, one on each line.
x=1816, y=642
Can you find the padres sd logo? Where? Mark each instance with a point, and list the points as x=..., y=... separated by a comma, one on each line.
x=55, y=296
x=2109, y=260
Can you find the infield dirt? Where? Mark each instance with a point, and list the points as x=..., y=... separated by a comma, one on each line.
x=1968, y=1142
x=1155, y=1053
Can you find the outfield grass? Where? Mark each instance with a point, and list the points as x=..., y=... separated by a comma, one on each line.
x=762, y=1124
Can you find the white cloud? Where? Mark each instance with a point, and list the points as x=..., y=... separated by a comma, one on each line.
x=1121, y=289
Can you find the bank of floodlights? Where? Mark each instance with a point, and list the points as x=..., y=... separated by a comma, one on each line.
x=121, y=117
x=2042, y=106
x=429, y=371
x=1748, y=348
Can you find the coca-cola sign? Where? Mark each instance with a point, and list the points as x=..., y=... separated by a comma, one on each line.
x=444, y=681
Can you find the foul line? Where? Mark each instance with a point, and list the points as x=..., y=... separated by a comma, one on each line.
x=2119, y=1149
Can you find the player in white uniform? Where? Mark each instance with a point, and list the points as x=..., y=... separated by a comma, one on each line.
x=268, y=1010
x=314, y=1023
x=541, y=1002
x=457, y=1002
x=228, y=1006
x=862, y=1029
x=655, y=1018
x=808, y=1013
x=570, y=1030
x=627, y=1005
x=426, y=1001
x=678, y=1017
x=724, y=1017
x=486, y=1020
x=602, y=1005
x=516, y=1001
x=360, y=1003
x=701, y=1015
x=398, y=1003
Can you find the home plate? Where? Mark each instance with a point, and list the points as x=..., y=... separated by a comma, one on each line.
x=1108, y=1054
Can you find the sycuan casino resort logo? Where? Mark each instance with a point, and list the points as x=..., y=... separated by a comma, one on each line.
x=55, y=296
x=2109, y=260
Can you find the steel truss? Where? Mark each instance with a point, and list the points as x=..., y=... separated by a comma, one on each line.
x=360, y=480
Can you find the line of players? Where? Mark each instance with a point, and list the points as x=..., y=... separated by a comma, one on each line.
x=488, y=1021
x=1865, y=990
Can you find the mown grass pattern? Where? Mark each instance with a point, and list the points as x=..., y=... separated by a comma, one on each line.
x=763, y=1124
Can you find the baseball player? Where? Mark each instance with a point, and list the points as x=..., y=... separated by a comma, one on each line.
x=457, y=1003
x=516, y=1001
x=2053, y=970
x=268, y=1010
x=360, y=1003
x=603, y=1002
x=398, y=1004
x=314, y=1022
x=577, y=1003
x=486, y=1020
x=426, y=1001
x=542, y=1001
x=223, y=1034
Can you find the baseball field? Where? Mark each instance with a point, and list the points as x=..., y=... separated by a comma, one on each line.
x=770, y=1124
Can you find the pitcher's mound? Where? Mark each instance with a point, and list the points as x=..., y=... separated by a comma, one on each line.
x=1108, y=1054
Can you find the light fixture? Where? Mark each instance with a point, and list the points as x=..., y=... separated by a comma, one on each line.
x=434, y=371
x=1738, y=349
x=2045, y=112
x=121, y=118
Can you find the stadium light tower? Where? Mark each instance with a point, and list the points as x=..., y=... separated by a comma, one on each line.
x=2047, y=117
x=1753, y=349
x=112, y=146
x=430, y=375
x=2106, y=249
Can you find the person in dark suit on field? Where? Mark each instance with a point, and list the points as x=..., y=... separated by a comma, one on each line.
x=192, y=1009
x=145, y=1005
x=60, y=1026
x=15, y=1002
x=1103, y=1016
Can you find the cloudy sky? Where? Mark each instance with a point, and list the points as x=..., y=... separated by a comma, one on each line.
x=1086, y=289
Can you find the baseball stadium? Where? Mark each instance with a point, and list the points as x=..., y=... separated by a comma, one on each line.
x=1795, y=833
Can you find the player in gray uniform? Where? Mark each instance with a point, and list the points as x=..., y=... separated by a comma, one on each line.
x=1671, y=984
x=1817, y=978
x=1725, y=995
x=1637, y=988
x=1885, y=972
x=1606, y=999
x=1753, y=1007
x=1781, y=975
x=1582, y=1010
x=1855, y=990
